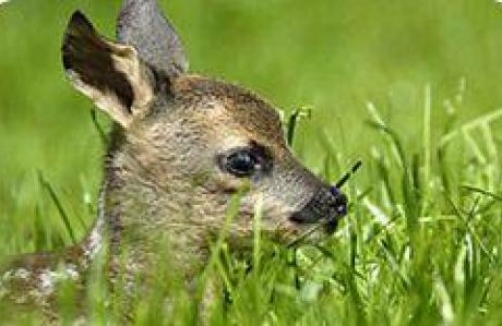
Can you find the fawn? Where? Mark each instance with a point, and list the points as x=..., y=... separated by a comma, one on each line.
x=181, y=147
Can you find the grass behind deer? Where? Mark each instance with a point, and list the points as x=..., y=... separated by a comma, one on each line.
x=414, y=96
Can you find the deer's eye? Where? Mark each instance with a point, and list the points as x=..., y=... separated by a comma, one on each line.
x=242, y=163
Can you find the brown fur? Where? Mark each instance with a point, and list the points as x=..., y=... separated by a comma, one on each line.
x=164, y=182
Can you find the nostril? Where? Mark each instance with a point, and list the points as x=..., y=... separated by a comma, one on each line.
x=341, y=209
x=340, y=204
x=328, y=205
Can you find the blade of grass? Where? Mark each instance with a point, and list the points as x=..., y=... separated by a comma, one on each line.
x=62, y=212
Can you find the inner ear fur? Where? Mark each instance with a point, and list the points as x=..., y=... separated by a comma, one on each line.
x=110, y=74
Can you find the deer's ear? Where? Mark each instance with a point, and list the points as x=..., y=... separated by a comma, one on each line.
x=143, y=25
x=110, y=74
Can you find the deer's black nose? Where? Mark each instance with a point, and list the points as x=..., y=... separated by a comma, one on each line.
x=328, y=206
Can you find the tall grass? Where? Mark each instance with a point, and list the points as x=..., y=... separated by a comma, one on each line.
x=411, y=88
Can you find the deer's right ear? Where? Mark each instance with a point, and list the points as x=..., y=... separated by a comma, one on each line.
x=110, y=74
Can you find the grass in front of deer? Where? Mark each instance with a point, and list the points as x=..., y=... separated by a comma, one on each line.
x=421, y=243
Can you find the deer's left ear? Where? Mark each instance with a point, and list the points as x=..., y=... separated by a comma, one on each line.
x=110, y=74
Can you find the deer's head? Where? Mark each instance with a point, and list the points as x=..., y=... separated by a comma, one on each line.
x=183, y=144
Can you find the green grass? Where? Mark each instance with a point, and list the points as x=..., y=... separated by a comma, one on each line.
x=410, y=87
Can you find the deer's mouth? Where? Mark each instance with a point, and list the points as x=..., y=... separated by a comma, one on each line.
x=324, y=210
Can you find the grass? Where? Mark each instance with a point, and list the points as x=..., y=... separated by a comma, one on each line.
x=411, y=88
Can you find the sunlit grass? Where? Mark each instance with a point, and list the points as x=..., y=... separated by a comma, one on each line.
x=411, y=88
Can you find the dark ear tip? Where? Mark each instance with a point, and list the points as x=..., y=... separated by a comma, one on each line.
x=78, y=27
x=78, y=17
x=79, y=21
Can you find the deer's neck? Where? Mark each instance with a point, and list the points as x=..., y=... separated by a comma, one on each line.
x=142, y=221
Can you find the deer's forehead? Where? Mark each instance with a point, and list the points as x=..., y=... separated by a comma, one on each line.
x=229, y=110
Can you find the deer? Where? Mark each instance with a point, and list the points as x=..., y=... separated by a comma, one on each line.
x=181, y=147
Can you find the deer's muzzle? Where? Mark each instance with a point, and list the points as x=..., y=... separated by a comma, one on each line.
x=326, y=207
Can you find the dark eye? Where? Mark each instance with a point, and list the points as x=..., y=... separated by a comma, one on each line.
x=242, y=163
